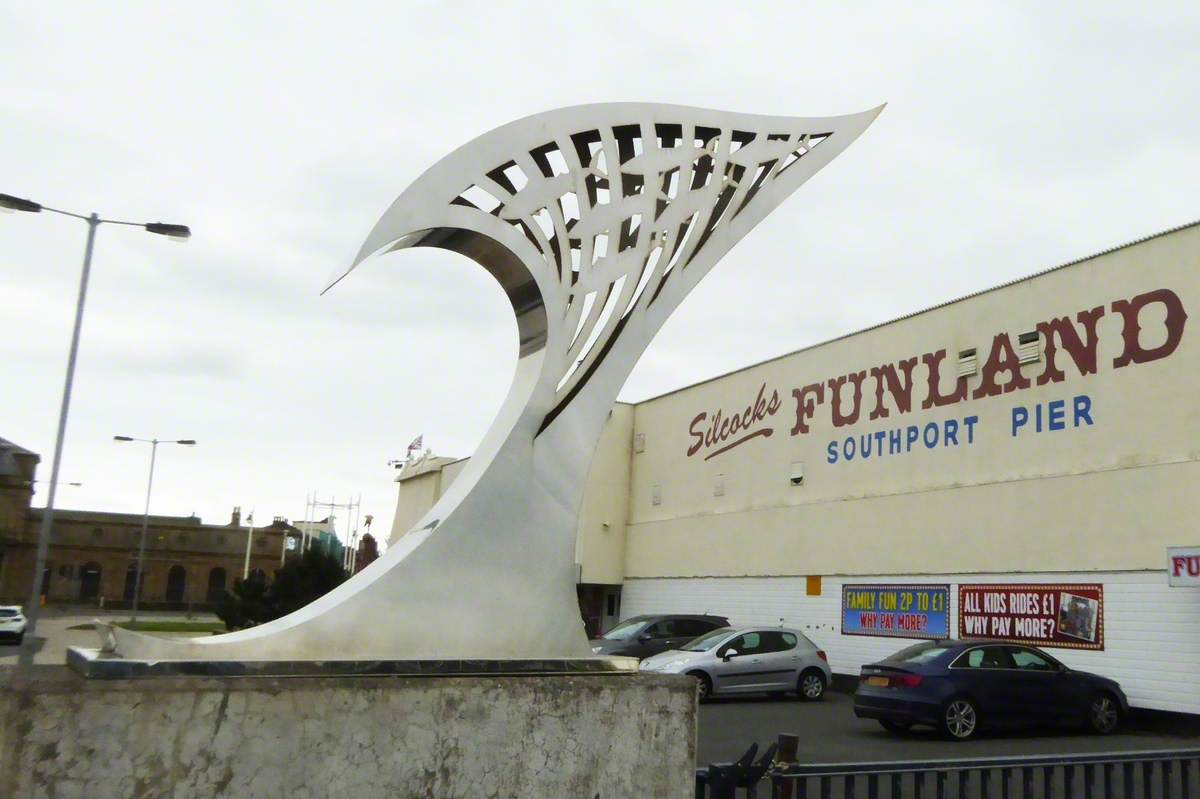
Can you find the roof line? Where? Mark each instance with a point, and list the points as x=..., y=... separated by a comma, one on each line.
x=910, y=315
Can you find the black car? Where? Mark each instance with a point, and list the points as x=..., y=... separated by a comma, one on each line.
x=643, y=636
x=960, y=686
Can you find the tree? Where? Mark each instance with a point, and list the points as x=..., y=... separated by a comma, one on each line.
x=299, y=582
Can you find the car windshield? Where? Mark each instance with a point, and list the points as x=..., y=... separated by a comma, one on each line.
x=624, y=631
x=706, y=641
x=918, y=653
x=7, y=613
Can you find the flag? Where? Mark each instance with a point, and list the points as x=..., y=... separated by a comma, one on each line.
x=416, y=444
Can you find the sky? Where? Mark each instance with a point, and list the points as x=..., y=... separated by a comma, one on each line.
x=1017, y=136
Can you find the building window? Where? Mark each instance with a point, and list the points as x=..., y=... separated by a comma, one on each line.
x=97, y=534
x=216, y=584
x=176, y=582
x=220, y=540
x=89, y=580
x=131, y=582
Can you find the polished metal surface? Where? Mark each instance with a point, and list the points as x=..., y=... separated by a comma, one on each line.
x=96, y=664
x=597, y=221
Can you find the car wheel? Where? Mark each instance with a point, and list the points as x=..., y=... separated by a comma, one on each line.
x=811, y=685
x=960, y=719
x=20, y=638
x=1104, y=714
x=895, y=726
x=705, y=690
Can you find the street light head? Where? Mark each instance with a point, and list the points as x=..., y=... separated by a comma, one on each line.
x=122, y=438
x=10, y=203
x=187, y=442
x=174, y=232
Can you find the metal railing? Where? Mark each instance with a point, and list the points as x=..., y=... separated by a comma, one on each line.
x=1157, y=774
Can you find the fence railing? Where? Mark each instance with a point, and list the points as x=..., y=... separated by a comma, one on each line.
x=1157, y=774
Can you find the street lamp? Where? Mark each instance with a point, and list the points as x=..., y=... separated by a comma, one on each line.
x=176, y=232
x=153, y=442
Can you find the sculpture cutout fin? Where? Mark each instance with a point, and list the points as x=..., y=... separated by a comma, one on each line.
x=597, y=221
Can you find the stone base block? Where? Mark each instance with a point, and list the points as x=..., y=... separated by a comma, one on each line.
x=596, y=735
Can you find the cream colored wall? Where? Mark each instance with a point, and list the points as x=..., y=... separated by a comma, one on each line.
x=600, y=544
x=600, y=538
x=1111, y=495
x=415, y=495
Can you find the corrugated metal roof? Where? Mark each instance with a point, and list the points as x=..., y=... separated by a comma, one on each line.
x=938, y=306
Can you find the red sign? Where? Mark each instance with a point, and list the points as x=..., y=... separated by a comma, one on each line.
x=1069, y=616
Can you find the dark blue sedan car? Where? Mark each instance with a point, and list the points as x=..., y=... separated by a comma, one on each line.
x=960, y=686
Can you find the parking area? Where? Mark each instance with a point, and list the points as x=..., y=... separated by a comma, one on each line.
x=830, y=733
x=63, y=628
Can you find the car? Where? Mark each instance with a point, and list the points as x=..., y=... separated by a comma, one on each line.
x=749, y=660
x=643, y=636
x=960, y=687
x=12, y=623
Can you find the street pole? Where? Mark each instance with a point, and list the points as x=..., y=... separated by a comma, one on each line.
x=137, y=580
x=141, y=558
x=9, y=202
x=249, y=539
x=33, y=610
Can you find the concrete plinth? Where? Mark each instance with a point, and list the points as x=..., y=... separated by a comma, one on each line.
x=610, y=736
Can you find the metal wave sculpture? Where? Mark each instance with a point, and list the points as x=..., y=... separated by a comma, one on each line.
x=597, y=221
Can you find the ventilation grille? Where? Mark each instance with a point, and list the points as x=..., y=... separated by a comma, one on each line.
x=968, y=363
x=1029, y=347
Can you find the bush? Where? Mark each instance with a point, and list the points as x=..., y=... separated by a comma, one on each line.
x=299, y=582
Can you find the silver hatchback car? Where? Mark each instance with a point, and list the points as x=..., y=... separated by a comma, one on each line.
x=749, y=660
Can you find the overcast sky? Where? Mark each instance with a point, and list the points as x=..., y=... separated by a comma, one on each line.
x=1017, y=137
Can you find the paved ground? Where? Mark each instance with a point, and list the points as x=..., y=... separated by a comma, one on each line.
x=54, y=626
x=830, y=733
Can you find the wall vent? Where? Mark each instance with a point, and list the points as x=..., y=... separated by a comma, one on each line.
x=968, y=363
x=1029, y=347
x=656, y=494
x=719, y=486
x=639, y=442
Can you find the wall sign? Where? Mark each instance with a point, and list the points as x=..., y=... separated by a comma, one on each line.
x=1183, y=566
x=896, y=611
x=1043, y=614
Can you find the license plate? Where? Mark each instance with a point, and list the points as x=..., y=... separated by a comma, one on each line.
x=879, y=681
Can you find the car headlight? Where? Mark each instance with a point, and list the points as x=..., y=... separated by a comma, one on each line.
x=596, y=650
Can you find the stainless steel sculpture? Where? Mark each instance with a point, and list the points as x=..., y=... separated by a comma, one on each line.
x=597, y=221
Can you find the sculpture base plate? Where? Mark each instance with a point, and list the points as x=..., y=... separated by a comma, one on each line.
x=97, y=664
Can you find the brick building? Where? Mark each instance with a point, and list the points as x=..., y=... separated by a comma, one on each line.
x=93, y=555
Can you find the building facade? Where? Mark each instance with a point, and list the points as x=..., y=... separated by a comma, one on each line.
x=1010, y=465
x=93, y=556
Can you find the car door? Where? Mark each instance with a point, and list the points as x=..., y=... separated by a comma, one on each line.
x=681, y=631
x=781, y=661
x=986, y=673
x=739, y=664
x=1037, y=687
x=658, y=637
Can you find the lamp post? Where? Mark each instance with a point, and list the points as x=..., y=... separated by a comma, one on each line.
x=8, y=203
x=249, y=541
x=137, y=578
